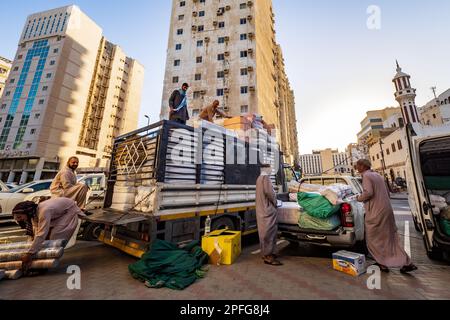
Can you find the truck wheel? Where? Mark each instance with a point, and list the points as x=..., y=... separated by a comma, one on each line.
x=223, y=223
x=416, y=225
x=92, y=231
x=435, y=254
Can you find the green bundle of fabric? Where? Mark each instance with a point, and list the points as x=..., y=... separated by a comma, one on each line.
x=445, y=226
x=308, y=222
x=167, y=265
x=316, y=205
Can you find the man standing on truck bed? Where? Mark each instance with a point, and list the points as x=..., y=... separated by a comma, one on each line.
x=208, y=113
x=266, y=216
x=65, y=184
x=381, y=231
x=178, y=104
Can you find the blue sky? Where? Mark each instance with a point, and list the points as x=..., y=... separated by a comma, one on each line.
x=338, y=68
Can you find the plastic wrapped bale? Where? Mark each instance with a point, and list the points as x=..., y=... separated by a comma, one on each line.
x=17, y=255
x=317, y=205
x=439, y=203
x=36, y=264
x=289, y=213
x=13, y=274
x=27, y=245
x=308, y=222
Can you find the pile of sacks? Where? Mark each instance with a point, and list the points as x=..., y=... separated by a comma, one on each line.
x=441, y=209
x=336, y=193
x=11, y=255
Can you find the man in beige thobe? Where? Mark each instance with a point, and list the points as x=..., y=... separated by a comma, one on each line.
x=54, y=219
x=65, y=184
x=266, y=216
x=381, y=231
x=208, y=113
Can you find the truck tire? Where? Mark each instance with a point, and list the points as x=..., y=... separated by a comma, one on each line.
x=92, y=231
x=416, y=225
x=223, y=223
x=435, y=254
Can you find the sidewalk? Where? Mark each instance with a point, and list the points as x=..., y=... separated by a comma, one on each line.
x=399, y=196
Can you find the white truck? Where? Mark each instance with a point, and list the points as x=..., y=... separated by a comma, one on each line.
x=428, y=176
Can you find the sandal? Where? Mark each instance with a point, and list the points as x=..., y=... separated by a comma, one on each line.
x=272, y=261
x=408, y=269
x=382, y=268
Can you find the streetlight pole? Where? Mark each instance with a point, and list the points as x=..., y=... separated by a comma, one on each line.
x=383, y=164
x=148, y=120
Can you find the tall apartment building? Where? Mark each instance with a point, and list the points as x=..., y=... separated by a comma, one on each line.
x=5, y=67
x=70, y=92
x=437, y=111
x=372, y=127
x=326, y=162
x=226, y=50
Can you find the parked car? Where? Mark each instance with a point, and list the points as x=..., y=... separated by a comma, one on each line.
x=351, y=232
x=9, y=199
x=4, y=187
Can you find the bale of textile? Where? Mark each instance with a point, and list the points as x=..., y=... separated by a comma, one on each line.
x=35, y=265
x=167, y=265
x=27, y=245
x=288, y=213
x=13, y=274
x=439, y=203
x=445, y=226
x=317, y=205
x=335, y=193
x=308, y=222
x=17, y=254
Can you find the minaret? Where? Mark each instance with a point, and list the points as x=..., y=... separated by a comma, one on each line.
x=406, y=96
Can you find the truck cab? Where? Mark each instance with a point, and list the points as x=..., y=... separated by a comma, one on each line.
x=428, y=178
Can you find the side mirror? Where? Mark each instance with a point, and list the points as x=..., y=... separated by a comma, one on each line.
x=28, y=190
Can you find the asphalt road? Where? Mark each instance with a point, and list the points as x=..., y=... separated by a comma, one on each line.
x=307, y=274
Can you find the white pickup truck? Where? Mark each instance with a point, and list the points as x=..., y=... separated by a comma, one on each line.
x=350, y=234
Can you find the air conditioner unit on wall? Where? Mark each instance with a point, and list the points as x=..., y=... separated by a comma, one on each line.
x=250, y=69
x=194, y=28
x=252, y=89
x=207, y=39
x=227, y=53
x=251, y=35
x=250, y=3
x=194, y=14
x=215, y=23
x=250, y=51
x=250, y=18
x=226, y=71
x=226, y=90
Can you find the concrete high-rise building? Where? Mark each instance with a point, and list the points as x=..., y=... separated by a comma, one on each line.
x=227, y=51
x=326, y=162
x=5, y=67
x=437, y=111
x=373, y=126
x=70, y=92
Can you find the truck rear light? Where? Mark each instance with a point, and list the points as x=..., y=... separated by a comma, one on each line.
x=347, y=216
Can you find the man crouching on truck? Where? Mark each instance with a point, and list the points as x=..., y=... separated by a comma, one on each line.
x=266, y=216
x=381, y=231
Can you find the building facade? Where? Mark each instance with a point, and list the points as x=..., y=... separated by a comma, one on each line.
x=227, y=51
x=5, y=68
x=68, y=87
x=437, y=111
x=325, y=162
x=373, y=125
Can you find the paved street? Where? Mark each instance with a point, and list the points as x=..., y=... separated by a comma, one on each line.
x=307, y=274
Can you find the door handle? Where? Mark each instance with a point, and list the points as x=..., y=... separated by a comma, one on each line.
x=316, y=237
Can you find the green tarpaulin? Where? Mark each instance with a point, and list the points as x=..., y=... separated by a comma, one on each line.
x=167, y=265
x=316, y=205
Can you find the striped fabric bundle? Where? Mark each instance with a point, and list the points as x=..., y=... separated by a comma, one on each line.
x=13, y=274
x=36, y=264
x=27, y=245
x=16, y=255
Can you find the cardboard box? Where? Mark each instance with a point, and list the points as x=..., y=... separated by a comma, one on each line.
x=222, y=246
x=350, y=263
x=241, y=120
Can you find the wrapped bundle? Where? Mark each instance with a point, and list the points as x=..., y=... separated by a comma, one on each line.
x=289, y=213
x=27, y=245
x=16, y=255
x=334, y=193
x=36, y=264
x=13, y=274
x=2, y=274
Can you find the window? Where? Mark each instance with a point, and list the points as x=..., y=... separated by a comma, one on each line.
x=41, y=101
x=182, y=3
x=434, y=116
x=32, y=131
x=201, y=28
x=48, y=76
x=388, y=152
x=1, y=119
x=7, y=93
x=221, y=40
x=243, y=20
x=177, y=63
x=195, y=113
x=201, y=14
x=393, y=147
x=244, y=54
x=16, y=69
x=244, y=72
x=181, y=17
x=178, y=46
x=200, y=43
x=41, y=186
x=52, y=63
x=220, y=92
x=199, y=59
x=19, y=57
x=243, y=6
x=198, y=77
x=373, y=158
x=175, y=79
x=12, y=80
x=244, y=90
x=221, y=57
x=399, y=144
x=197, y=95
x=222, y=24
x=202, y=1
x=55, y=50
x=244, y=36
x=378, y=157
x=244, y=109
x=44, y=88
x=37, y=115
x=29, y=147
x=4, y=106
x=179, y=32
x=220, y=74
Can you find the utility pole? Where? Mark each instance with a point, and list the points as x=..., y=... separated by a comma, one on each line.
x=383, y=164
